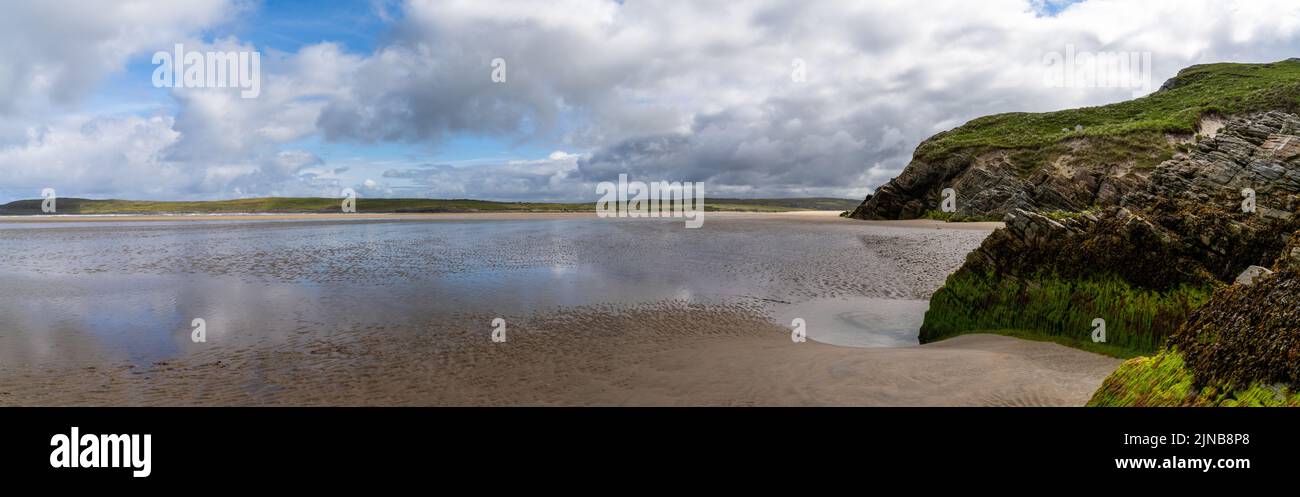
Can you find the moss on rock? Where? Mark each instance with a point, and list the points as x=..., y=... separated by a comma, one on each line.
x=1164, y=380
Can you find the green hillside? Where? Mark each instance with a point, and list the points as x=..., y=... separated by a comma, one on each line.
x=1225, y=89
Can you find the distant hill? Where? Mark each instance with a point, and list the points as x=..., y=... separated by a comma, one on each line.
x=387, y=205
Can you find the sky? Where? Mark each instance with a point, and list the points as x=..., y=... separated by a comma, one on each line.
x=763, y=98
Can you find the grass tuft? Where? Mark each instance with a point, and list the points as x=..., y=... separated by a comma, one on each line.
x=953, y=217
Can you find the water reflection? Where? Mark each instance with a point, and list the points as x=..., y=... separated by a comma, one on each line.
x=130, y=290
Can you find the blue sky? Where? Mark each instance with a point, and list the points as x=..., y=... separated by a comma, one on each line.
x=1052, y=7
x=286, y=26
x=396, y=97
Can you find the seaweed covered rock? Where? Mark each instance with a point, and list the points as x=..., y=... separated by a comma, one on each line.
x=1246, y=334
x=1164, y=380
x=1289, y=259
x=1115, y=241
x=1242, y=348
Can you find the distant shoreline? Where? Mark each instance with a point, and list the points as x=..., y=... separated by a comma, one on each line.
x=276, y=216
x=808, y=215
x=321, y=205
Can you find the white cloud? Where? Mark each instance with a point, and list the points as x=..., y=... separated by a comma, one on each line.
x=696, y=91
x=57, y=51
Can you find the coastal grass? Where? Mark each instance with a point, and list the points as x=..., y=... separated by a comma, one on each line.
x=386, y=205
x=953, y=217
x=1139, y=124
x=1137, y=320
x=1164, y=380
x=1060, y=215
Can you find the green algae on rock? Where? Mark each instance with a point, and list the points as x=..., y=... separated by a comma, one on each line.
x=1164, y=380
x=1137, y=320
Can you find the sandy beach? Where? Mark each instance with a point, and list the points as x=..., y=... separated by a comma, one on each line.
x=295, y=326
x=667, y=354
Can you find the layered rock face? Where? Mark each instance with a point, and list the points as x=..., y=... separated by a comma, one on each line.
x=1130, y=240
x=1185, y=227
x=1200, y=196
x=1095, y=157
x=992, y=183
x=1188, y=223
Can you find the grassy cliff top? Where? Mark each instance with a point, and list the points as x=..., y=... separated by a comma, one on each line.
x=1224, y=89
x=385, y=205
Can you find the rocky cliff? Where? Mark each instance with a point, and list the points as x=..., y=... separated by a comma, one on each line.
x=1160, y=256
x=1146, y=263
x=1079, y=159
x=991, y=183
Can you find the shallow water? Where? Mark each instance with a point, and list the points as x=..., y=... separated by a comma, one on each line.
x=75, y=293
x=859, y=321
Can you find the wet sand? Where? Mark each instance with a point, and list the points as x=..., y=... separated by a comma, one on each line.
x=656, y=355
x=328, y=312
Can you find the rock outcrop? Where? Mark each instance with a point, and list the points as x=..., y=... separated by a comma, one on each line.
x=992, y=183
x=1242, y=348
x=1095, y=157
x=1187, y=225
x=1251, y=274
x=1246, y=334
x=1185, y=231
x=1098, y=234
